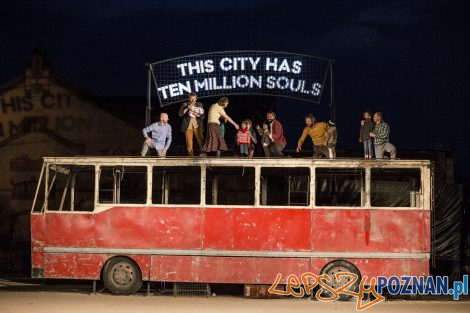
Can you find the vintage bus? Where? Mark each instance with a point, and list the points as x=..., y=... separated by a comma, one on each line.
x=229, y=220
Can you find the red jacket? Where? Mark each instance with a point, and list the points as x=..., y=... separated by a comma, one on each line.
x=277, y=133
x=243, y=136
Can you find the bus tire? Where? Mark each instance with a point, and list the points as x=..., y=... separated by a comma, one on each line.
x=337, y=266
x=121, y=276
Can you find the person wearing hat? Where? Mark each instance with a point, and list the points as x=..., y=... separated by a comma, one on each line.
x=331, y=136
x=317, y=132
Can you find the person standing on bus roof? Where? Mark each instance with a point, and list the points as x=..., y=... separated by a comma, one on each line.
x=276, y=134
x=381, y=135
x=367, y=126
x=214, y=140
x=160, y=139
x=253, y=141
x=331, y=137
x=192, y=113
x=317, y=132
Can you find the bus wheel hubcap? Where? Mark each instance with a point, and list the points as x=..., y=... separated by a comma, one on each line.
x=335, y=283
x=122, y=273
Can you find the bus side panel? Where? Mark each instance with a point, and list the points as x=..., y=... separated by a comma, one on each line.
x=37, y=231
x=360, y=230
x=426, y=229
x=392, y=267
x=37, y=244
x=144, y=228
x=70, y=230
x=86, y=266
x=74, y=265
x=381, y=267
x=240, y=270
x=257, y=229
x=119, y=227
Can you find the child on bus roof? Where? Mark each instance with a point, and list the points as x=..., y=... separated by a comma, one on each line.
x=265, y=137
x=244, y=138
x=254, y=141
x=367, y=126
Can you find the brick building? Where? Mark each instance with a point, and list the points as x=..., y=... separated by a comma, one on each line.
x=42, y=114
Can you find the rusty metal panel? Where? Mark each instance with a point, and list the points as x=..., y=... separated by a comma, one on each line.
x=37, y=260
x=265, y=270
x=238, y=230
x=86, y=266
x=380, y=267
x=37, y=231
x=127, y=228
x=370, y=230
x=225, y=269
x=60, y=265
x=257, y=229
x=147, y=227
x=396, y=267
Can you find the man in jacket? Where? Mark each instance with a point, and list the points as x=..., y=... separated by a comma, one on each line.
x=192, y=113
x=277, y=135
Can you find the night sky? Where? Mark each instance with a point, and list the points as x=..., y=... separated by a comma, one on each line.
x=409, y=59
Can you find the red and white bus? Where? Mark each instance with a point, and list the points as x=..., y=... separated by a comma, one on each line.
x=229, y=220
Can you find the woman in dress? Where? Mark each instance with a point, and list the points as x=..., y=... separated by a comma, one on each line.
x=214, y=140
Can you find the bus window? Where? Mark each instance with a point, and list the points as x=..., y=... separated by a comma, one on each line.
x=176, y=185
x=339, y=186
x=395, y=187
x=281, y=186
x=71, y=188
x=230, y=185
x=123, y=184
x=38, y=205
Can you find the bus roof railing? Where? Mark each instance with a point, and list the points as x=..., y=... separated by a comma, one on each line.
x=237, y=161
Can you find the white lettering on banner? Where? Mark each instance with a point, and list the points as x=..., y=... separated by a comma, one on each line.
x=238, y=82
x=235, y=64
x=296, y=67
x=251, y=74
x=199, y=67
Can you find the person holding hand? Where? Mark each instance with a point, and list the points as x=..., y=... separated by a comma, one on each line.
x=215, y=142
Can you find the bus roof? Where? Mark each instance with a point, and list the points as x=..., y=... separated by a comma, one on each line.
x=236, y=161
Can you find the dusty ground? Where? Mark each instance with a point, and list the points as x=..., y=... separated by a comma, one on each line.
x=25, y=297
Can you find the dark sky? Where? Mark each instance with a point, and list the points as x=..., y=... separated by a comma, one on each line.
x=409, y=59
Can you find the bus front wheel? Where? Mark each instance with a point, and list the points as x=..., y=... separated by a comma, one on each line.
x=121, y=276
x=340, y=266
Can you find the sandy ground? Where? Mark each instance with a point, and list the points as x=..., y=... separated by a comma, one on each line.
x=39, y=298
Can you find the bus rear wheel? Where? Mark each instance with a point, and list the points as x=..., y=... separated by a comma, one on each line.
x=121, y=276
x=340, y=266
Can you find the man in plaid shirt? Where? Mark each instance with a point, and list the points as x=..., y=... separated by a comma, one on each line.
x=381, y=135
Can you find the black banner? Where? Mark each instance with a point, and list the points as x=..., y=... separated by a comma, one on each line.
x=241, y=73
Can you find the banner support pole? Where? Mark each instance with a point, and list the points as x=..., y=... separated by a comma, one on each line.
x=332, y=95
x=148, y=110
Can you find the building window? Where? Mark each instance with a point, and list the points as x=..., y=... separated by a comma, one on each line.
x=176, y=185
x=230, y=185
x=339, y=186
x=281, y=186
x=395, y=187
x=123, y=184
